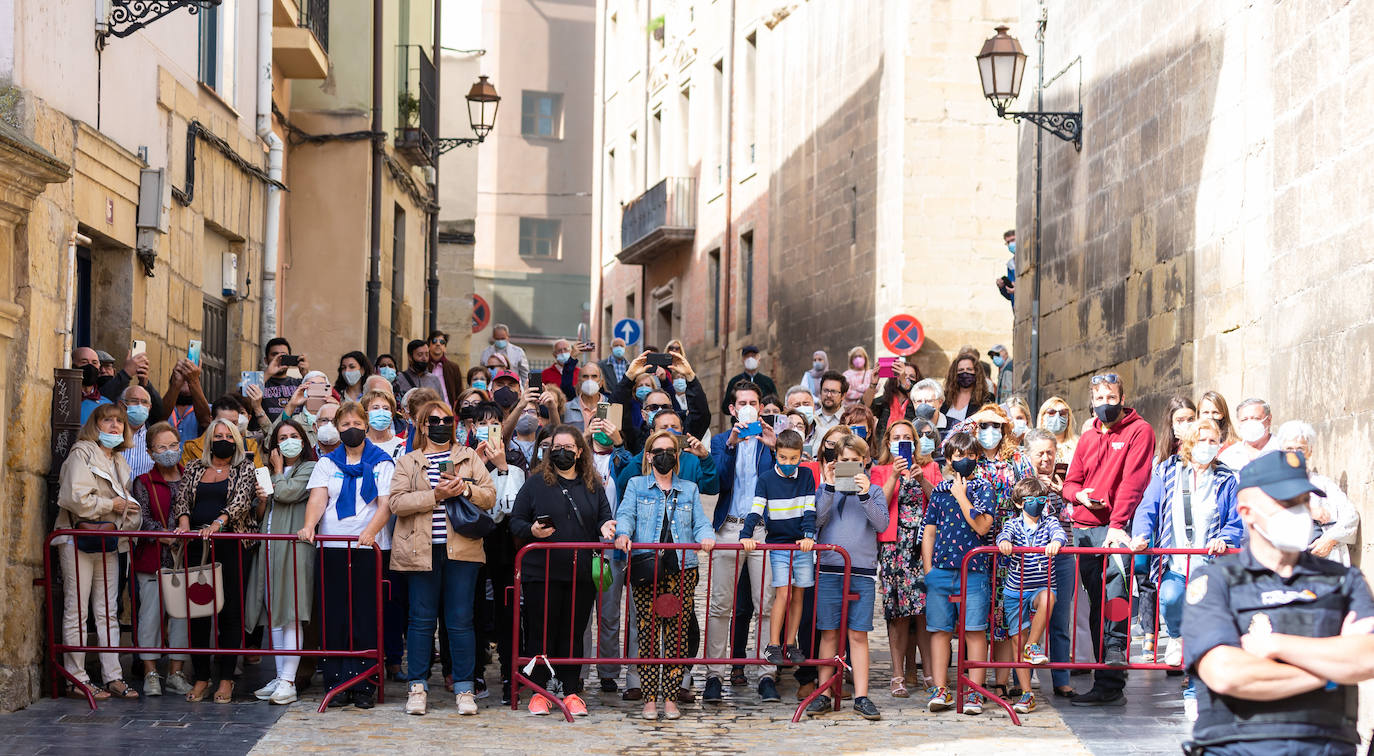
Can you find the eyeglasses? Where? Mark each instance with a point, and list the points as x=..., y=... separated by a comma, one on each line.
x=1055, y=412
x=1043, y=500
x=563, y=448
x=1104, y=378
x=440, y=342
x=831, y=391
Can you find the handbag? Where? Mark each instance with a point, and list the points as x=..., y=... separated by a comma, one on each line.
x=192, y=592
x=643, y=572
x=466, y=519
x=96, y=544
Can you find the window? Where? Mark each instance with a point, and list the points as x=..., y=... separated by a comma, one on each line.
x=219, y=48
x=81, y=312
x=214, y=345
x=539, y=237
x=749, y=107
x=746, y=257
x=635, y=173
x=608, y=181
x=398, y=280
x=713, y=281
x=655, y=147
x=684, y=135
x=718, y=136
x=541, y=114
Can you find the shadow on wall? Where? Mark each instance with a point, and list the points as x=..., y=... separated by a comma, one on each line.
x=823, y=231
x=1119, y=228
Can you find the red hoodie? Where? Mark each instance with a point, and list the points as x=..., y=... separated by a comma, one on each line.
x=1115, y=462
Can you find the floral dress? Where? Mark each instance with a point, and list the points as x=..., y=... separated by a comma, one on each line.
x=1002, y=474
x=900, y=560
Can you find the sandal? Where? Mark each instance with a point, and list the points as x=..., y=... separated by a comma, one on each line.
x=998, y=690
x=99, y=694
x=197, y=697
x=121, y=689
x=224, y=699
x=899, y=688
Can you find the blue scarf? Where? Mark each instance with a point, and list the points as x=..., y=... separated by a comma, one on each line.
x=347, y=505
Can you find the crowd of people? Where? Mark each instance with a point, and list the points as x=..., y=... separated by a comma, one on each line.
x=443, y=473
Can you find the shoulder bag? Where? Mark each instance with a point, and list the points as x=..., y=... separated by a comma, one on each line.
x=643, y=572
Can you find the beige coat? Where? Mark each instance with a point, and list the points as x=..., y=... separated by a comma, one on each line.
x=91, y=481
x=412, y=501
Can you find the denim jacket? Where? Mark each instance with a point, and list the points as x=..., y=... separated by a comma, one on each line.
x=640, y=515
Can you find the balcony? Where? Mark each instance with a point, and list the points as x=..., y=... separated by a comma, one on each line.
x=417, y=115
x=300, y=38
x=662, y=218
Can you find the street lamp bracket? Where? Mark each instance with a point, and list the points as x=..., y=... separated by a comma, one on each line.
x=128, y=16
x=1066, y=126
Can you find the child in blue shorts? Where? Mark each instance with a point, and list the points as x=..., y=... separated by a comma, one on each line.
x=1027, y=597
x=785, y=500
x=957, y=521
x=851, y=521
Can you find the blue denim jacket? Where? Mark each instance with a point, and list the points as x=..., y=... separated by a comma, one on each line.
x=640, y=515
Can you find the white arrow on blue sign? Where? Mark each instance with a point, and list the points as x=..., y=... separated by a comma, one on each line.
x=628, y=329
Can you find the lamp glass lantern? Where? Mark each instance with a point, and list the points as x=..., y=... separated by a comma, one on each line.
x=1001, y=64
x=482, y=104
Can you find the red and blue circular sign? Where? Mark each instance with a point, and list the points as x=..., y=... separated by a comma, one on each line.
x=903, y=335
x=481, y=313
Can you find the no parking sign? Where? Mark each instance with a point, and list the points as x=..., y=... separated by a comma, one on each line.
x=903, y=335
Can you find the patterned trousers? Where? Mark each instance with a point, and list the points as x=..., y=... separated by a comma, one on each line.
x=660, y=681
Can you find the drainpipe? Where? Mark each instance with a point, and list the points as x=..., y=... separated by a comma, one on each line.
x=434, y=193
x=727, y=247
x=272, y=225
x=70, y=336
x=374, y=268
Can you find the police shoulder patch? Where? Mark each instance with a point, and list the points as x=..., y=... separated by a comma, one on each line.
x=1197, y=589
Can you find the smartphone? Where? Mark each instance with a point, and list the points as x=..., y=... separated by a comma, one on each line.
x=844, y=476
x=264, y=479
x=536, y=380
x=250, y=378
x=193, y=351
x=859, y=430
x=289, y=360
x=139, y=347
x=315, y=396
x=1061, y=469
x=885, y=366
x=904, y=450
x=781, y=423
x=602, y=410
x=494, y=435
x=659, y=359
x=544, y=520
x=770, y=420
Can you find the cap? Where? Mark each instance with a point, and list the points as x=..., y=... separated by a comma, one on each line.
x=505, y=374
x=749, y=349
x=104, y=357
x=1280, y=474
x=997, y=349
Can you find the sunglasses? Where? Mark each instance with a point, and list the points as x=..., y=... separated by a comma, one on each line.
x=439, y=421
x=440, y=342
x=989, y=426
x=657, y=407
x=1043, y=500
x=1104, y=378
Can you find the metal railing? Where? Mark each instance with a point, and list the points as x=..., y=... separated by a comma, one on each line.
x=417, y=114
x=315, y=17
x=671, y=203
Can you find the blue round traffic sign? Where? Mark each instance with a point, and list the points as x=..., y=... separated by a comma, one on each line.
x=628, y=329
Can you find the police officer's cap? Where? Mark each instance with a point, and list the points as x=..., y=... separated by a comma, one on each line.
x=1280, y=474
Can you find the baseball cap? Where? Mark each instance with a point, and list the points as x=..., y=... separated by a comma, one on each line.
x=1280, y=474
x=749, y=349
x=997, y=349
x=505, y=374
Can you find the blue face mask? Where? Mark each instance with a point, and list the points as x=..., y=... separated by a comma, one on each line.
x=787, y=470
x=926, y=446
x=111, y=440
x=1034, y=505
x=500, y=343
x=643, y=392
x=618, y=352
x=1011, y=247
x=964, y=467
x=481, y=432
x=480, y=385
x=387, y=372
x=1056, y=423
x=138, y=414
x=998, y=360
x=307, y=419
x=989, y=438
x=379, y=419
x=680, y=385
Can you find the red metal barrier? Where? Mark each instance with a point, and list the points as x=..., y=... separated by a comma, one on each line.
x=57, y=646
x=1127, y=564
x=519, y=676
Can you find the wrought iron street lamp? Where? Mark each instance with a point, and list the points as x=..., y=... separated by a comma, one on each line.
x=1001, y=65
x=483, y=102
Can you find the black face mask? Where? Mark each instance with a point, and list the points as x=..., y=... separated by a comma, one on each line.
x=353, y=437
x=222, y=449
x=90, y=374
x=439, y=434
x=664, y=461
x=965, y=380
x=563, y=459
x=505, y=397
x=965, y=467
x=1107, y=413
x=829, y=454
x=467, y=413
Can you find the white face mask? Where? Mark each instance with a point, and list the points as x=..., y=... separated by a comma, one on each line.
x=1204, y=453
x=1250, y=430
x=1288, y=529
x=590, y=387
x=1018, y=427
x=1181, y=429
x=327, y=434
x=747, y=414
x=751, y=364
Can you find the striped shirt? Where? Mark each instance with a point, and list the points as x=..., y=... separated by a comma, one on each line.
x=1026, y=571
x=786, y=505
x=137, y=455
x=439, y=531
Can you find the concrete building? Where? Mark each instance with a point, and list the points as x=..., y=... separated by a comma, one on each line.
x=136, y=197
x=791, y=175
x=533, y=221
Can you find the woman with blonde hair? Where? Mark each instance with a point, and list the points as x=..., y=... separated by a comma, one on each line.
x=1057, y=417
x=1020, y=415
x=1212, y=405
x=217, y=495
x=859, y=375
x=94, y=495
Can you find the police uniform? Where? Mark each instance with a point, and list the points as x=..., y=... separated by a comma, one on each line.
x=1226, y=596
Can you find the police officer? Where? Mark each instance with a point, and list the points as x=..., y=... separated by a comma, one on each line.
x=1277, y=637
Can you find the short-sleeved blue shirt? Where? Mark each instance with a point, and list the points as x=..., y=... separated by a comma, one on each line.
x=954, y=537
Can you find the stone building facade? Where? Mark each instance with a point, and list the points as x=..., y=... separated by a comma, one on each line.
x=791, y=175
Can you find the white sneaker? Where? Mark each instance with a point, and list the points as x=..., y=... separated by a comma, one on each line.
x=152, y=685
x=1173, y=653
x=1190, y=709
x=467, y=704
x=286, y=693
x=265, y=692
x=416, y=699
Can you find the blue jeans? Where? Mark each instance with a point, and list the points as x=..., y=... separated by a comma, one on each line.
x=1171, y=589
x=1061, y=618
x=452, y=584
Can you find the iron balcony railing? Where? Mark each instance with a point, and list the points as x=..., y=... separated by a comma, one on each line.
x=315, y=17
x=417, y=121
x=669, y=206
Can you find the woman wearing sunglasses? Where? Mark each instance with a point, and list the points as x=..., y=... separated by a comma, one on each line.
x=1057, y=418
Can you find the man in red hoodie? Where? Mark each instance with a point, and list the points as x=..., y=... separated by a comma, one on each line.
x=1109, y=473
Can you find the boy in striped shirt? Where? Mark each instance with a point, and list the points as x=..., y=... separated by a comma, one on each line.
x=785, y=500
x=1027, y=597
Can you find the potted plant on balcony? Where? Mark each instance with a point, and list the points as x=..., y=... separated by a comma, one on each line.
x=408, y=108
